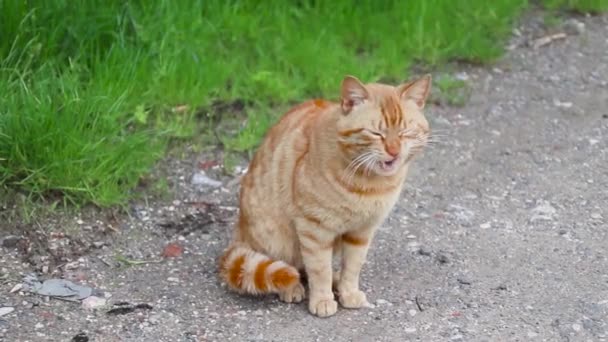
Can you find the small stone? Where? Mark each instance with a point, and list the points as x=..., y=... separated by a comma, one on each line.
x=411, y=236
x=457, y=337
x=596, y=216
x=72, y=265
x=242, y=312
x=98, y=244
x=258, y=313
x=412, y=312
x=10, y=241
x=565, y=104
x=410, y=330
x=576, y=327
x=543, y=212
x=532, y=334
x=574, y=27
x=93, y=302
x=486, y=225
x=383, y=302
x=464, y=281
x=16, y=288
x=6, y=310
x=38, y=326
x=173, y=279
x=443, y=259
x=80, y=222
x=200, y=178
x=424, y=251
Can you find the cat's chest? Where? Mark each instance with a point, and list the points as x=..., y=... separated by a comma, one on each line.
x=369, y=211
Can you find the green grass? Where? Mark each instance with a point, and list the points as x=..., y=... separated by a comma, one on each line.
x=92, y=90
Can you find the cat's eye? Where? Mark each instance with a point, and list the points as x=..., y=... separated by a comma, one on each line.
x=375, y=133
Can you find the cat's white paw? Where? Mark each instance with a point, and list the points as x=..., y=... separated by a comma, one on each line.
x=353, y=299
x=294, y=295
x=323, y=307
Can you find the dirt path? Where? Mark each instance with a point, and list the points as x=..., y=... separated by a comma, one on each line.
x=501, y=235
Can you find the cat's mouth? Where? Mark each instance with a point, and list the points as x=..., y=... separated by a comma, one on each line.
x=389, y=165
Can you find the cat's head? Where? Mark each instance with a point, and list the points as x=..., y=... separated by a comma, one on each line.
x=382, y=127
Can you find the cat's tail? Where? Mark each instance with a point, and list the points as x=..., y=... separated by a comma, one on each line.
x=247, y=271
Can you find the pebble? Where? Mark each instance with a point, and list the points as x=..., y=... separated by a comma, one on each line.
x=543, y=212
x=574, y=27
x=424, y=251
x=532, y=334
x=10, y=241
x=486, y=225
x=410, y=330
x=596, y=216
x=383, y=302
x=443, y=259
x=200, y=178
x=576, y=327
x=412, y=312
x=6, y=310
x=38, y=326
x=93, y=302
x=16, y=288
x=173, y=279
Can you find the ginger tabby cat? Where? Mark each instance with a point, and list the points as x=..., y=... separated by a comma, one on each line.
x=322, y=181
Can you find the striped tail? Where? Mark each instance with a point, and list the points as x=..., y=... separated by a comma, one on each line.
x=250, y=272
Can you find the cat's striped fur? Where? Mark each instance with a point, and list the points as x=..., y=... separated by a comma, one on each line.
x=322, y=181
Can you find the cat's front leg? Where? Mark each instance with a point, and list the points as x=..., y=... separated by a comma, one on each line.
x=316, y=244
x=354, y=251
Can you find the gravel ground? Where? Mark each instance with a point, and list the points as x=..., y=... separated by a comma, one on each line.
x=501, y=233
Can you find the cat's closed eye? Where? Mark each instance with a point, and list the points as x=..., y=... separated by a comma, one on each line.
x=375, y=133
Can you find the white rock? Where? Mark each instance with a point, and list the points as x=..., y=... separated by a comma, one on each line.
x=596, y=216
x=173, y=279
x=16, y=288
x=200, y=178
x=93, y=302
x=410, y=330
x=558, y=103
x=486, y=225
x=38, y=326
x=383, y=302
x=543, y=212
x=6, y=310
x=576, y=327
x=412, y=312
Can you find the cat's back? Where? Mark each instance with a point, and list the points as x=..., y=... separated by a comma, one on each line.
x=270, y=172
x=295, y=121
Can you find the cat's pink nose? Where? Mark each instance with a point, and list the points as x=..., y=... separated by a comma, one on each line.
x=393, y=150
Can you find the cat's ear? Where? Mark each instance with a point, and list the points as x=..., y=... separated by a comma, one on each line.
x=417, y=90
x=353, y=93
